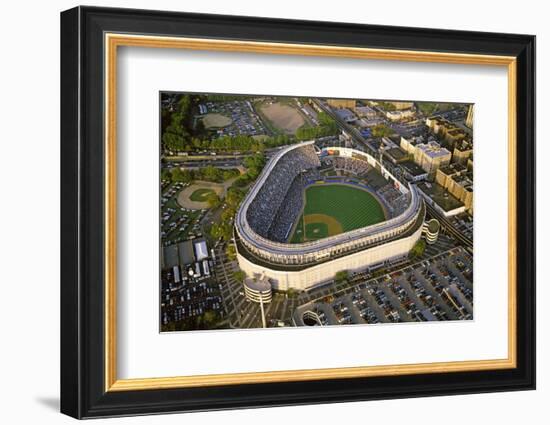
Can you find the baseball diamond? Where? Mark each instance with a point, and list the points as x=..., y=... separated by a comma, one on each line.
x=331, y=209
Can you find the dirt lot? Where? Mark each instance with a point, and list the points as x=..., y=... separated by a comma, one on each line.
x=284, y=117
x=216, y=121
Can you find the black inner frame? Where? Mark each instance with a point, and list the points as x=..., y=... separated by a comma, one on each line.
x=82, y=212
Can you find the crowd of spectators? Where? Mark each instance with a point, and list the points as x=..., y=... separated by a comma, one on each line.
x=291, y=206
x=350, y=165
x=267, y=202
x=396, y=201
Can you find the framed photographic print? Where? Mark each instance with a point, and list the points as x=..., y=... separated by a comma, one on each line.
x=261, y=212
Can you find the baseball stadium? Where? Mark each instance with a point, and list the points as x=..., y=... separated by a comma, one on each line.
x=313, y=212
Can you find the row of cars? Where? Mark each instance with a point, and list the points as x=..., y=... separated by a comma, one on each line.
x=438, y=289
x=244, y=119
x=190, y=291
x=178, y=223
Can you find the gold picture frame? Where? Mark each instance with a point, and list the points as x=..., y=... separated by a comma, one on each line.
x=114, y=41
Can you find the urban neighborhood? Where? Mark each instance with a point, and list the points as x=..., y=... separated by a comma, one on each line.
x=292, y=211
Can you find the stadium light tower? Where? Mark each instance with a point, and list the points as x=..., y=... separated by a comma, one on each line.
x=258, y=290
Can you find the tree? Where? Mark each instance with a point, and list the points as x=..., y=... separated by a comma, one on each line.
x=229, y=174
x=216, y=231
x=418, y=249
x=227, y=231
x=234, y=197
x=221, y=231
x=239, y=276
x=228, y=214
x=211, y=173
x=166, y=174
x=379, y=272
x=341, y=276
x=176, y=135
x=327, y=127
x=179, y=175
x=231, y=252
x=387, y=106
x=254, y=161
x=173, y=142
x=381, y=130
x=326, y=120
x=242, y=181
x=291, y=293
x=199, y=127
x=213, y=200
x=210, y=318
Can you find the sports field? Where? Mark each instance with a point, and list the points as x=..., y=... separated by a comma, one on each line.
x=214, y=120
x=284, y=117
x=332, y=209
x=195, y=196
x=201, y=195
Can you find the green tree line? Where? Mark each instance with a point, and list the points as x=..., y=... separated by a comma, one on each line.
x=240, y=142
x=327, y=127
x=235, y=194
x=208, y=173
x=179, y=130
x=224, y=229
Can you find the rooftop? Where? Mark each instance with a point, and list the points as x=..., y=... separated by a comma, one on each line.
x=417, y=140
x=259, y=284
x=346, y=114
x=464, y=180
x=440, y=196
x=433, y=149
x=178, y=254
x=451, y=169
x=364, y=110
x=397, y=154
x=464, y=146
x=433, y=225
x=413, y=168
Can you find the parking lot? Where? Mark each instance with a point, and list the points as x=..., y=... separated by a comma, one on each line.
x=242, y=313
x=437, y=289
x=244, y=120
x=178, y=223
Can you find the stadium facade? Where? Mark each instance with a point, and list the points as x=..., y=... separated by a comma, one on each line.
x=271, y=207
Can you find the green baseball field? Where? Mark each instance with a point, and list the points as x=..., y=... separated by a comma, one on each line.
x=331, y=209
x=201, y=195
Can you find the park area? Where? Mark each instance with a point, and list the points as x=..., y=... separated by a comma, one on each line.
x=201, y=195
x=331, y=209
x=213, y=121
x=195, y=197
x=283, y=117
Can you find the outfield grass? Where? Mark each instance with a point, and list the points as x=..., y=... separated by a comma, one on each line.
x=332, y=209
x=200, y=195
